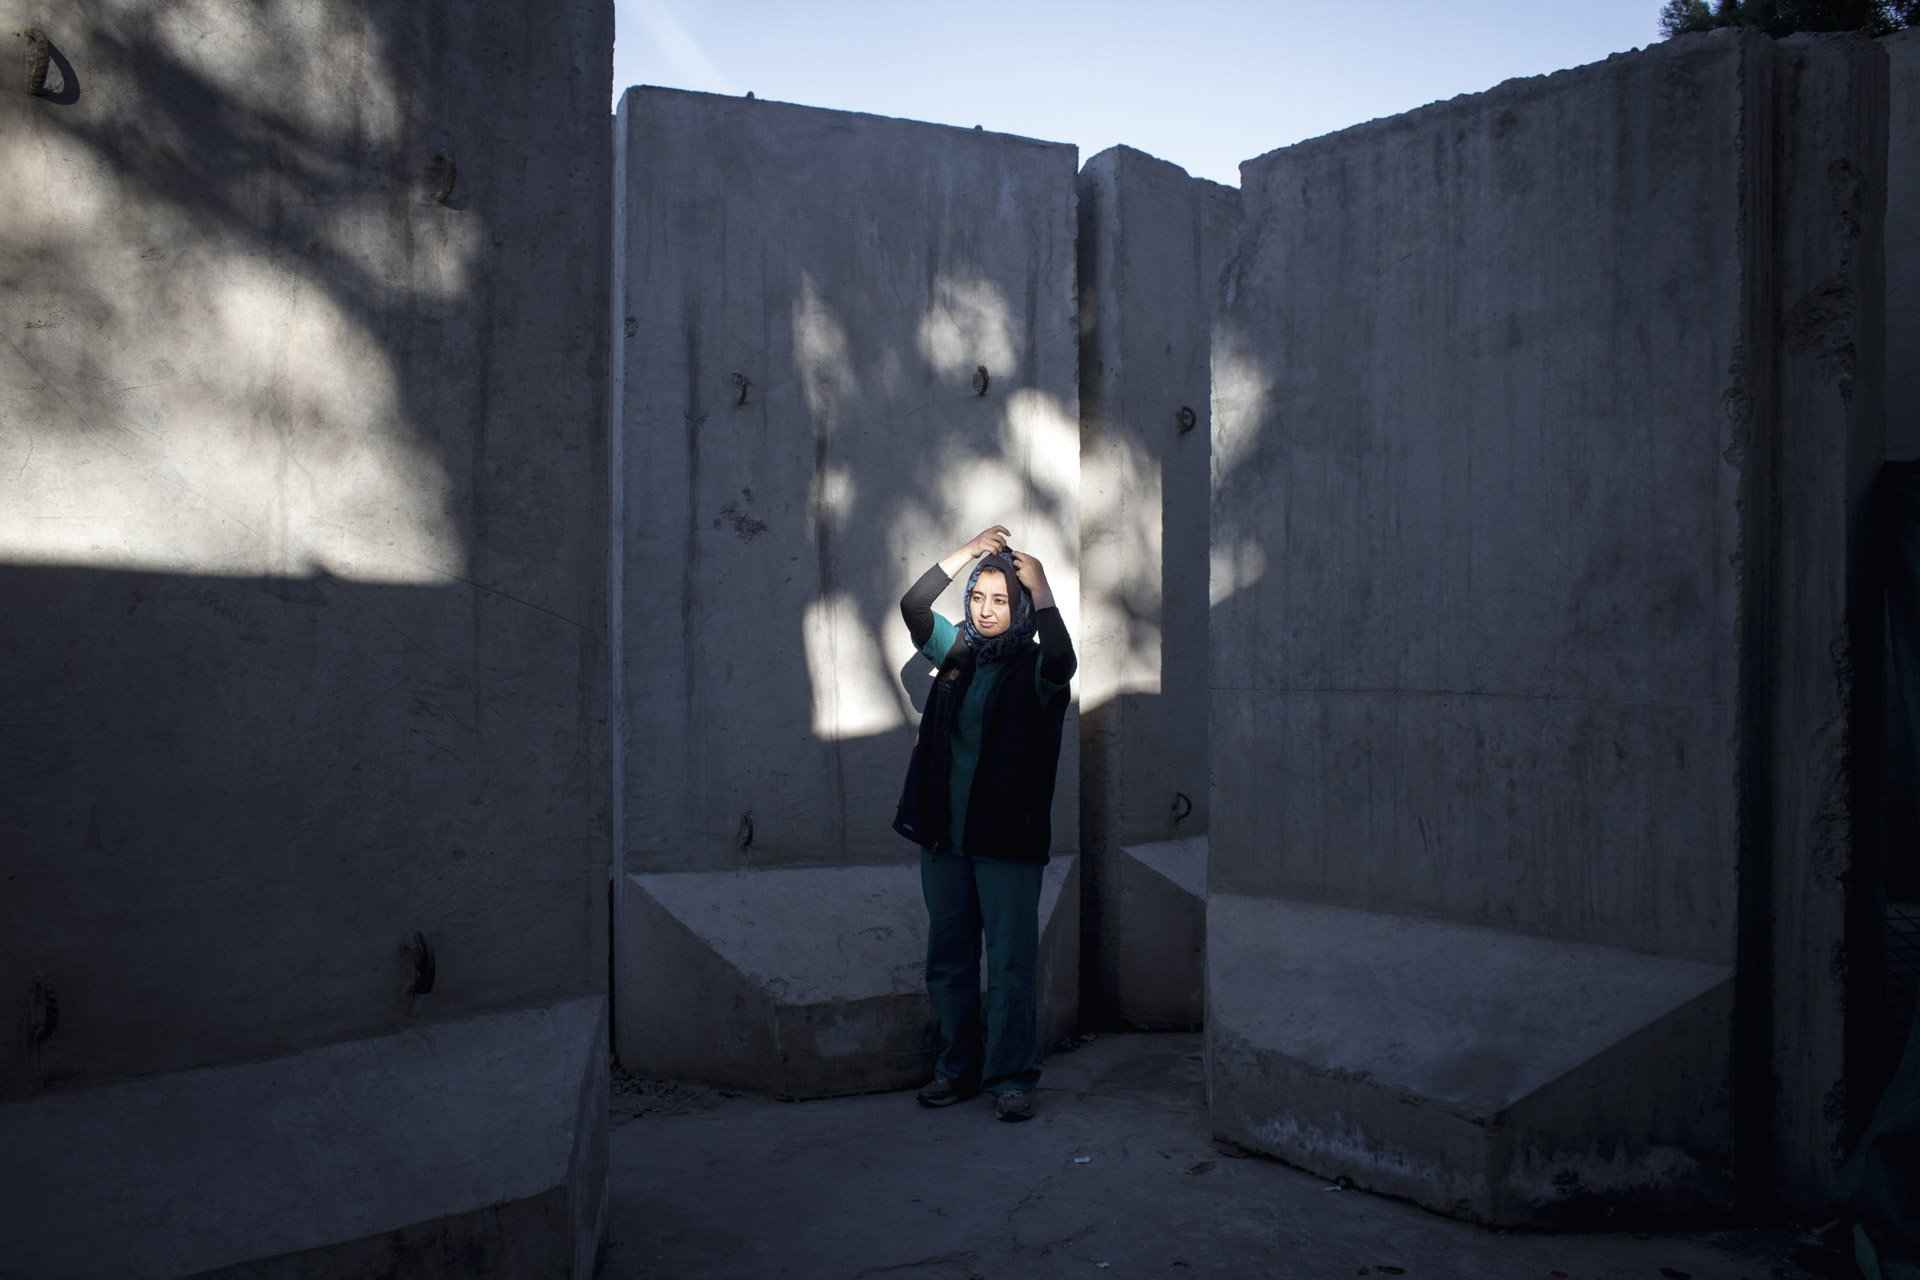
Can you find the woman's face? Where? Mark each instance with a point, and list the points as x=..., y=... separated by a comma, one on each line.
x=991, y=609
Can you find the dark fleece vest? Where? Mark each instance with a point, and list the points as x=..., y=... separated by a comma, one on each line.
x=1009, y=810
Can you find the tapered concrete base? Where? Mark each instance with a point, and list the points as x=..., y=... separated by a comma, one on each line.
x=1162, y=947
x=475, y=1147
x=803, y=982
x=1506, y=1079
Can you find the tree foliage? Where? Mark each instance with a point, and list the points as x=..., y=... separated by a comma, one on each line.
x=1783, y=17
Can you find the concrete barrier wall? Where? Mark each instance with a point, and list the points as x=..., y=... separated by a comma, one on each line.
x=807, y=298
x=845, y=346
x=1152, y=240
x=1475, y=650
x=1903, y=233
x=1820, y=911
x=301, y=524
x=1536, y=461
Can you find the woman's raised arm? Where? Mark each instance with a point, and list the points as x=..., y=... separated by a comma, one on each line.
x=916, y=607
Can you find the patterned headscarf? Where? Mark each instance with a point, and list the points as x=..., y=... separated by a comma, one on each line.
x=993, y=648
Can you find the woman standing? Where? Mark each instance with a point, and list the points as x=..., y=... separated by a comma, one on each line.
x=977, y=801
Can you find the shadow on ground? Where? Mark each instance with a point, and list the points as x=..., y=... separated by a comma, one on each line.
x=1116, y=1176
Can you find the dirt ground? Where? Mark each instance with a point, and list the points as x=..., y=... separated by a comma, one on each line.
x=1117, y=1176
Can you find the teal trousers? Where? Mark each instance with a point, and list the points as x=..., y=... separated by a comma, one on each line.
x=968, y=898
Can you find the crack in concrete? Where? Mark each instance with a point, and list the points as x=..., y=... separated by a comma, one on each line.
x=965, y=1258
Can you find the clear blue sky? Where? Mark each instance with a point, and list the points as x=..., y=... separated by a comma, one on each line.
x=1205, y=84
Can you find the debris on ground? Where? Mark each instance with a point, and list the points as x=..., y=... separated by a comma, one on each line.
x=1073, y=1044
x=635, y=1096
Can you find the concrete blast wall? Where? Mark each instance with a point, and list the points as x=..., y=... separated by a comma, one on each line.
x=846, y=345
x=1540, y=442
x=1901, y=781
x=302, y=419
x=1151, y=243
x=1903, y=235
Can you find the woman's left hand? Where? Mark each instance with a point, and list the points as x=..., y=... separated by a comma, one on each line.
x=1033, y=576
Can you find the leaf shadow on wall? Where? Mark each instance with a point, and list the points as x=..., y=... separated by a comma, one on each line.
x=299, y=655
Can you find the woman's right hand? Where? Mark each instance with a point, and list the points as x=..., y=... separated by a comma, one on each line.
x=987, y=541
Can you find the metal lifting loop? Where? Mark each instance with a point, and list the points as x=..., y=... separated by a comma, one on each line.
x=37, y=58
x=421, y=952
x=439, y=177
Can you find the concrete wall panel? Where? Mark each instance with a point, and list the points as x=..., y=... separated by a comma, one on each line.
x=1824, y=916
x=301, y=523
x=805, y=982
x=1152, y=240
x=1508, y=1079
x=846, y=345
x=1903, y=234
x=1544, y=421
x=1161, y=903
x=806, y=298
x=1475, y=518
x=366, y=1158
x=302, y=584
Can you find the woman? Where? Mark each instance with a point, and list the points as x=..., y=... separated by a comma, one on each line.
x=977, y=801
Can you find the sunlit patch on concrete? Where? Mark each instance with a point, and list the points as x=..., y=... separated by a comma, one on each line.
x=1233, y=567
x=822, y=355
x=1242, y=389
x=853, y=692
x=1121, y=521
x=967, y=327
x=288, y=454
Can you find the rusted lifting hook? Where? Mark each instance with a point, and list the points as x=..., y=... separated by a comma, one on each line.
x=37, y=59
x=43, y=1009
x=421, y=953
x=438, y=178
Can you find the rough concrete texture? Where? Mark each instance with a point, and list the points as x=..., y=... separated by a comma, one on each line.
x=1495, y=523
x=1824, y=914
x=1902, y=235
x=741, y=1188
x=846, y=345
x=472, y=1147
x=1151, y=243
x=1507, y=1079
x=301, y=523
x=806, y=298
x=1161, y=904
x=804, y=982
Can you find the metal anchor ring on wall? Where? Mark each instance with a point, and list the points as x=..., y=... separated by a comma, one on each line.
x=43, y=1009
x=37, y=59
x=980, y=380
x=421, y=952
x=1182, y=806
x=439, y=177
